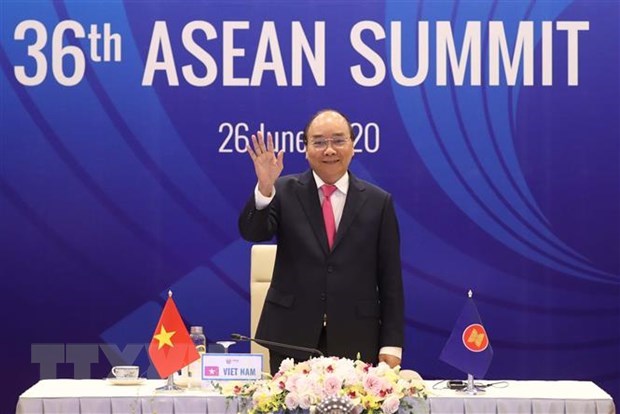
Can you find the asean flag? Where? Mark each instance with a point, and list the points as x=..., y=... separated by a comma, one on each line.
x=171, y=347
x=468, y=348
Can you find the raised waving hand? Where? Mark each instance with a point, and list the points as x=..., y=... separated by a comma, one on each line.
x=267, y=165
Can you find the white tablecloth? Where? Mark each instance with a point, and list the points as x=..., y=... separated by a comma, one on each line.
x=98, y=396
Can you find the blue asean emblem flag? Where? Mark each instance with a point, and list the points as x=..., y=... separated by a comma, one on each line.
x=468, y=348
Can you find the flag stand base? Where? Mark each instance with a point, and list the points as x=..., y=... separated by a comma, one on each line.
x=472, y=389
x=170, y=385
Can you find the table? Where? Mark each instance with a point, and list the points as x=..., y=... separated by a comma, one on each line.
x=527, y=397
x=98, y=396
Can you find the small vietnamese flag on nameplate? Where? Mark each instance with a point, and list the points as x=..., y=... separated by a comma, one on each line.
x=171, y=347
x=212, y=371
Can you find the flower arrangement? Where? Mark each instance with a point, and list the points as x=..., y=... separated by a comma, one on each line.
x=298, y=387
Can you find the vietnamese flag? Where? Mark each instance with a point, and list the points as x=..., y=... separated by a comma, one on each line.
x=171, y=347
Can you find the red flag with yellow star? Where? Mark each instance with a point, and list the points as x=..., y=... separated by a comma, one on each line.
x=171, y=347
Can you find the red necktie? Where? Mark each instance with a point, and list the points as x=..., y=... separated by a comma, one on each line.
x=328, y=213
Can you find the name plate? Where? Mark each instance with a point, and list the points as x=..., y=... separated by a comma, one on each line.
x=232, y=366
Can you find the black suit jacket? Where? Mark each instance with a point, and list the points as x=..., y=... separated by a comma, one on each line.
x=358, y=284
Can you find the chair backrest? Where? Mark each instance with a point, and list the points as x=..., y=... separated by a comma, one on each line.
x=262, y=260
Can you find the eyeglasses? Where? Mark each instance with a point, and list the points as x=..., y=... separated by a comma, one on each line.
x=321, y=143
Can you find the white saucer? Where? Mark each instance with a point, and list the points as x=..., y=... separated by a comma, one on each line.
x=125, y=381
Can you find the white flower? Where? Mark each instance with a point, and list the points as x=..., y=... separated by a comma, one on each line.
x=351, y=377
x=381, y=369
x=304, y=366
x=390, y=405
x=303, y=385
x=344, y=364
x=287, y=364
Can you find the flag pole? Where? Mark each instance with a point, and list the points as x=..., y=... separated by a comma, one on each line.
x=471, y=387
x=170, y=385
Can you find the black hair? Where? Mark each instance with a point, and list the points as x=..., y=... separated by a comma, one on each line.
x=322, y=111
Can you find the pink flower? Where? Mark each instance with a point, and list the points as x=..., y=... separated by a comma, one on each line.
x=385, y=391
x=332, y=385
x=357, y=409
x=373, y=384
x=291, y=382
x=390, y=405
x=305, y=401
x=291, y=401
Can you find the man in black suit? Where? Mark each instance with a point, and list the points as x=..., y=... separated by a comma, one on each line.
x=337, y=282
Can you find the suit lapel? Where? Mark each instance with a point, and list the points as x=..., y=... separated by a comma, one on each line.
x=308, y=196
x=356, y=197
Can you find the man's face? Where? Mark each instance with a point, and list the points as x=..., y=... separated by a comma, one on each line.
x=330, y=148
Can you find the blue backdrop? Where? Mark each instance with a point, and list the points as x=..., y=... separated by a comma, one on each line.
x=118, y=181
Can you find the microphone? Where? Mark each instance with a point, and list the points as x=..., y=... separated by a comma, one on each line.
x=267, y=343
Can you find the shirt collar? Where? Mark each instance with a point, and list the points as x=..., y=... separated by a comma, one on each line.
x=342, y=184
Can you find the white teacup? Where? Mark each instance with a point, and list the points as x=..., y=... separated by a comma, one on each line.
x=126, y=371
